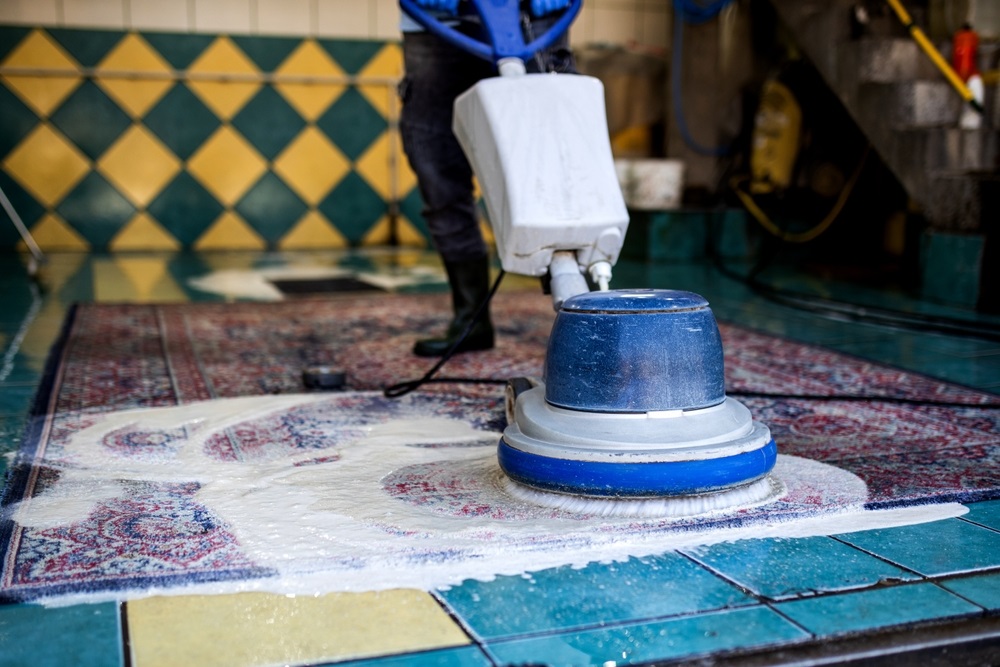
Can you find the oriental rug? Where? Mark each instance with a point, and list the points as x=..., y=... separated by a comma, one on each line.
x=175, y=446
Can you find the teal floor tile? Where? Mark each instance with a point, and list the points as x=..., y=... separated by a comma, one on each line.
x=16, y=399
x=875, y=608
x=11, y=430
x=463, y=656
x=82, y=635
x=23, y=370
x=683, y=637
x=564, y=598
x=783, y=568
x=983, y=589
x=937, y=548
x=985, y=514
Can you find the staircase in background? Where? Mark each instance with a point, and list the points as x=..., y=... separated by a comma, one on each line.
x=910, y=115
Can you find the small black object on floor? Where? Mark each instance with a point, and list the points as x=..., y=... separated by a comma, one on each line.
x=324, y=378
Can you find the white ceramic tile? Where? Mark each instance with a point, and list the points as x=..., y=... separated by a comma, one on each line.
x=169, y=15
x=31, y=12
x=615, y=26
x=222, y=16
x=386, y=20
x=343, y=18
x=94, y=14
x=284, y=17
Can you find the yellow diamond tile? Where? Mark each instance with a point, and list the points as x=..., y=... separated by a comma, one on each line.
x=251, y=629
x=311, y=232
x=225, y=98
x=46, y=164
x=383, y=97
x=38, y=51
x=226, y=165
x=133, y=54
x=136, y=96
x=144, y=233
x=135, y=75
x=52, y=234
x=387, y=63
x=230, y=232
x=222, y=59
x=135, y=279
x=406, y=234
x=42, y=93
x=310, y=99
x=309, y=59
x=376, y=166
x=139, y=165
x=311, y=165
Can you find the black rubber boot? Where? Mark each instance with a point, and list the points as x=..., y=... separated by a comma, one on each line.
x=470, y=285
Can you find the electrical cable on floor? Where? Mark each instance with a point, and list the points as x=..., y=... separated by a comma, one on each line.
x=845, y=311
x=402, y=388
x=814, y=231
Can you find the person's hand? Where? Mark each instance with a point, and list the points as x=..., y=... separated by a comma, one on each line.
x=450, y=6
x=543, y=7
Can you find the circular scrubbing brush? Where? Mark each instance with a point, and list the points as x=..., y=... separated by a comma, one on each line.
x=633, y=405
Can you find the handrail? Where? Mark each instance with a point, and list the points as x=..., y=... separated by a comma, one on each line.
x=925, y=45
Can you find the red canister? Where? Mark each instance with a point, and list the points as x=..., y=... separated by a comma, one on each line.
x=965, y=51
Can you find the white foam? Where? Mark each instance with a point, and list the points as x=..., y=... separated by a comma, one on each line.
x=755, y=494
x=332, y=525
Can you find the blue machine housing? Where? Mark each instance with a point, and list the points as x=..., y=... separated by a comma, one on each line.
x=633, y=404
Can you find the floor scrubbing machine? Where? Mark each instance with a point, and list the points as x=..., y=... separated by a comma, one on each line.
x=632, y=402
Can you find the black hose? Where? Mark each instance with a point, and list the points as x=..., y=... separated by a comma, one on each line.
x=402, y=388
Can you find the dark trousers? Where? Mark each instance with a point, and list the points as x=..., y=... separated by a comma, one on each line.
x=435, y=74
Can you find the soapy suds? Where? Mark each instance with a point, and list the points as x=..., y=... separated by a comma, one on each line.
x=757, y=493
x=406, y=496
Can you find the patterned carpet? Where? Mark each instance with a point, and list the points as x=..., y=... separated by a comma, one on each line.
x=141, y=527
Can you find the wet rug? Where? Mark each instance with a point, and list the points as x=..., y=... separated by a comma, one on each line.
x=174, y=446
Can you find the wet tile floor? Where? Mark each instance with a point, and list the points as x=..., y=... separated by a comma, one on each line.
x=764, y=601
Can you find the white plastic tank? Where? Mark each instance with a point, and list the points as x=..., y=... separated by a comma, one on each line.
x=539, y=146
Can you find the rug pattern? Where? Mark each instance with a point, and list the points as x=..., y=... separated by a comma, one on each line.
x=124, y=357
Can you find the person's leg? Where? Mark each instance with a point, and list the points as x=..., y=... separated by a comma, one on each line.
x=436, y=74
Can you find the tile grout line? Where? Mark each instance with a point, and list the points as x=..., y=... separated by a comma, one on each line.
x=126, y=640
x=981, y=525
x=937, y=583
x=762, y=600
x=884, y=559
x=477, y=641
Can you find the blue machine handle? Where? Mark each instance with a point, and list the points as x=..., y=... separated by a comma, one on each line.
x=502, y=20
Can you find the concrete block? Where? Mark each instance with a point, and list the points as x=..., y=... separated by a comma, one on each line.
x=910, y=104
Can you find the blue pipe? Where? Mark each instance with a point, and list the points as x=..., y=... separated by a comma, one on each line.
x=693, y=12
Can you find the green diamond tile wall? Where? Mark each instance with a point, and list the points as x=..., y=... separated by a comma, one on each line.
x=118, y=141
